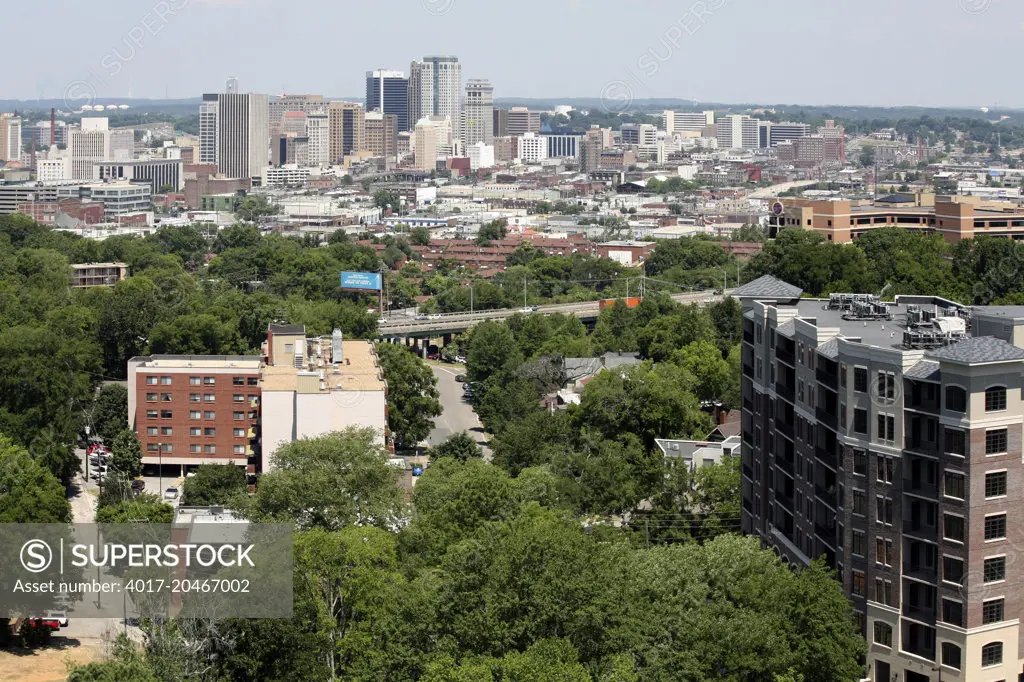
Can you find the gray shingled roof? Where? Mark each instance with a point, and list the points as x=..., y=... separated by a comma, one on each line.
x=926, y=370
x=768, y=287
x=787, y=329
x=978, y=350
x=829, y=349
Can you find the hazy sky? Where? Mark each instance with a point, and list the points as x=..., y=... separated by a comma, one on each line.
x=881, y=52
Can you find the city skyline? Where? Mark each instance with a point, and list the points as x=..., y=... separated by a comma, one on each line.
x=706, y=51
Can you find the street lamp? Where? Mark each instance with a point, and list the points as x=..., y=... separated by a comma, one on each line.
x=725, y=278
x=160, y=468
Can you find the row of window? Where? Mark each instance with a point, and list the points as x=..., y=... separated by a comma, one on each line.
x=196, y=398
x=193, y=448
x=193, y=414
x=193, y=431
x=203, y=381
x=956, y=396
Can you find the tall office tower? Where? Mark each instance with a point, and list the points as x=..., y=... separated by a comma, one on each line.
x=640, y=134
x=521, y=121
x=435, y=89
x=94, y=142
x=885, y=438
x=426, y=143
x=479, y=114
x=501, y=122
x=308, y=104
x=381, y=134
x=209, y=111
x=242, y=134
x=318, y=131
x=388, y=92
x=232, y=86
x=738, y=131
x=774, y=133
x=347, y=122
x=10, y=138
x=687, y=121
x=594, y=142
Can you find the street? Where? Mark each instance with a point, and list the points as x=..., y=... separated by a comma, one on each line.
x=458, y=415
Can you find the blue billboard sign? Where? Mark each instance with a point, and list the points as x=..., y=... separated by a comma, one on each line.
x=363, y=281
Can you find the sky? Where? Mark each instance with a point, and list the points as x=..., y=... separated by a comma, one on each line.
x=815, y=52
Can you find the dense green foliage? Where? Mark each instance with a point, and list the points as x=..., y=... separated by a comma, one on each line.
x=213, y=484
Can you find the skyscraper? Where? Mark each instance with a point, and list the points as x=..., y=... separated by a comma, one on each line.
x=388, y=92
x=426, y=144
x=347, y=123
x=318, y=131
x=381, y=134
x=479, y=115
x=234, y=133
x=10, y=138
x=435, y=89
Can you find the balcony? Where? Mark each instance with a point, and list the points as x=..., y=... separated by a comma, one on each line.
x=923, y=446
x=784, y=355
x=785, y=464
x=920, y=530
x=785, y=428
x=785, y=392
x=826, y=417
x=827, y=457
x=827, y=374
x=925, y=614
x=928, y=574
x=826, y=533
x=826, y=495
x=748, y=472
x=748, y=371
x=921, y=487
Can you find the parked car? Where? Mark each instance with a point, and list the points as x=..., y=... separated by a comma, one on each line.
x=435, y=316
x=433, y=356
x=171, y=494
x=60, y=616
x=460, y=359
x=420, y=318
x=460, y=378
x=138, y=485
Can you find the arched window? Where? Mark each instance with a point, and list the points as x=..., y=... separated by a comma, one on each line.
x=995, y=398
x=992, y=654
x=956, y=399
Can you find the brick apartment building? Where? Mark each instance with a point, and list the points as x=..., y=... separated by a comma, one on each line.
x=886, y=438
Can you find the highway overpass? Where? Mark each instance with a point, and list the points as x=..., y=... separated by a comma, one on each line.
x=453, y=323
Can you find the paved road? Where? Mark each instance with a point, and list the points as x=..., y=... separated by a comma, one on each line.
x=775, y=190
x=453, y=322
x=458, y=415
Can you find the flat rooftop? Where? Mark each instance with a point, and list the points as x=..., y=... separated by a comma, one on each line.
x=247, y=362
x=357, y=372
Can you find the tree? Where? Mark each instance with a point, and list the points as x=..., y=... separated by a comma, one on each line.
x=329, y=482
x=110, y=411
x=412, y=394
x=420, y=236
x=142, y=509
x=30, y=493
x=496, y=230
x=126, y=454
x=704, y=361
x=383, y=198
x=492, y=352
x=255, y=206
x=867, y=156
x=459, y=446
x=214, y=484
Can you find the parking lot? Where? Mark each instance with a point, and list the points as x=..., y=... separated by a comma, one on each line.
x=154, y=484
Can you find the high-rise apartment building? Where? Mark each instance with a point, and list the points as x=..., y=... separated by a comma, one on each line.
x=435, y=89
x=10, y=138
x=521, y=121
x=594, y=142
x=234, y=130
x=388, y=92
x=640, y=134
x=687, y=121
x=347, y=124
x=479, y=114
x=501, y=122
x=738, y=131
x=318, y=132
x=94, y=142
x=532, y=148
x=886, y=439
x=426, y=143
x=381, y=134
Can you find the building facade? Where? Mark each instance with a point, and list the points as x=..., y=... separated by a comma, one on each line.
x=479, y=114
x=435, y=89
x=521, y=121
x=88, y=275
x=388, y=92
x=885, y=438
x=564, y=146
x=160, y=174
x=381, y=134
x=687, y=121
x=738, y=131
x=318, y=132
x=10, y=138
x=347, y=130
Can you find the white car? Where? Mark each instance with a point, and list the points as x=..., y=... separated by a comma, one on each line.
x=460, y=360
x=435, y=316
x=60, y=616
x=171, y=494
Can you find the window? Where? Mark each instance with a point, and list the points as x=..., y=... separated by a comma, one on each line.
x=238, y=381
x=800, y=390
x=860, y=420
x=194, y=381
x=860, y=462
x=843, y=369
x=995, y=398
x=165, y=381
x=992, y=654
x=887, y=386
x=953, y=612
x=166, y=414
x=860, y=503
x=239, y=449
x=956, y=399
x=952, y=570
x=151, y=381
x=254, y=381
x=992, y=611
x=956, y=442
x=195, y=447
x=165, y=397
x=151, y=447
x=883, y=552
x=883, y=591
x=857, y=586
x=239, y=433
x=954, y=485
x=886, y=427
x=886, y=469
x=253, y=397
x=151, y=397
x=166, y=431
x=167, y=447
x=995, y=442
x=194, y=397
x=195, y=431
x=883, y=633
x=209, y=432
x=238, y=398
x=209, y=381
x=238, y=415
x=860, y=379
x=210, y=449
x=152, y=414
x=995, y=569
x=995, y=527
x=858, y=544
x=209, y=415
x=951, y=655
x=152, y=431
x=195, y=414
x=995, y=484
x=883, y=510
x=953, y=528
x=842, y=416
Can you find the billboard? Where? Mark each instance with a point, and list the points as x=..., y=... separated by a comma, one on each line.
x=362, y=281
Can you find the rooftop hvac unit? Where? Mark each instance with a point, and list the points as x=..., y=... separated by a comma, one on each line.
x=336, y=347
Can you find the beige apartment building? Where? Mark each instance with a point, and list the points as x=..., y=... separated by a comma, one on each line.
x=86, y=275
x=885, y=438
x=347, y=130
